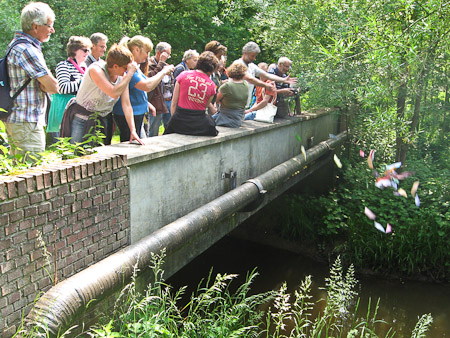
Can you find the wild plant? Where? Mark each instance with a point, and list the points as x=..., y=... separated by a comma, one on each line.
x=422, y=326
x=338, y=319
x=47, y=256
x=213, y=310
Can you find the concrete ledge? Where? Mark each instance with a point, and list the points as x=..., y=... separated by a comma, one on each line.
x=157, y=147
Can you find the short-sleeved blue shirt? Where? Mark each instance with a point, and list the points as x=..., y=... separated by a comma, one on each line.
x=138, y=98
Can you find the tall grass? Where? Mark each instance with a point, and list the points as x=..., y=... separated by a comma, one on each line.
x=216, y=311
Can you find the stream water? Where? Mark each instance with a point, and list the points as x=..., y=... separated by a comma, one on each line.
x=401, y=302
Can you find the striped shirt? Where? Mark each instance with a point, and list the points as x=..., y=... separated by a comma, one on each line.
x=26, y=60
x=69, y=78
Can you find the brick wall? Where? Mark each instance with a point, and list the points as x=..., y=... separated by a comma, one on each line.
x=56, y=222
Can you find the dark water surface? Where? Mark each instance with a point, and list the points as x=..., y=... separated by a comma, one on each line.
x=401, y=304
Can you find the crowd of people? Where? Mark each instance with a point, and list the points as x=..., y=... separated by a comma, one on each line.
x=129, y=87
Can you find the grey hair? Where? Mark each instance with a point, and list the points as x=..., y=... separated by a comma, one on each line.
x=283, y=60
x=35, y=13
x=97, y=37
x=162, y=46
x=190, y=53
x=251, y=47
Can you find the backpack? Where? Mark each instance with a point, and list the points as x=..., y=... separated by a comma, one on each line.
x=6, y=101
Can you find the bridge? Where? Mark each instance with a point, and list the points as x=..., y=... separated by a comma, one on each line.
x=185, y=193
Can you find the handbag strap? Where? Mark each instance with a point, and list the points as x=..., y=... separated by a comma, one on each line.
x=81, y=70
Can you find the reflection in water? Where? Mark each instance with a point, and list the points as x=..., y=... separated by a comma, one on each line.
x=401, y=304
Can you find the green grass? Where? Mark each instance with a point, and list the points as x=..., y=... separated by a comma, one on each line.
x=216, y=311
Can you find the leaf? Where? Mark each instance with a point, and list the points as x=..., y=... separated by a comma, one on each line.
x=370, y=158
x=299, y=139
x=395, y=165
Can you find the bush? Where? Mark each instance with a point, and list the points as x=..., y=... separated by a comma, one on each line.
x=419, y=243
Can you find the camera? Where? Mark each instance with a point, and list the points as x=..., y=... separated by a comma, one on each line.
x=298, y=91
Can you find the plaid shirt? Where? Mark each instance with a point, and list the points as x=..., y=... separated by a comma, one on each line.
x=26, y=60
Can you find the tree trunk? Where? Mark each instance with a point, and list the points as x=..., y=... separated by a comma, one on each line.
x=401, y=102
x=446, y=108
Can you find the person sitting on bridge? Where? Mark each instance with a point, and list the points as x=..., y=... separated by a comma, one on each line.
x=193, y=92
x=232, y=98
x=263, y=97
x=257, y=90
x=249, y=53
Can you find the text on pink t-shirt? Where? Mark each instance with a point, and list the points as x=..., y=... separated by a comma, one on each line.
x=195, y=90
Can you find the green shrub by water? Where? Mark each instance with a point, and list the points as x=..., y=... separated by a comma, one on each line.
x=336, y=223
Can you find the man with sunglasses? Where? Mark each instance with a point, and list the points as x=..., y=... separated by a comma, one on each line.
x=25, y=125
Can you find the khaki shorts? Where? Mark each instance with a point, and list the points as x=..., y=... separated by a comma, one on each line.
x=25, y=136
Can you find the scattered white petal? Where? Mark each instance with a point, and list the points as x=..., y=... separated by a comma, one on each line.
x=337, y=161
x=379, y=227
x=369, y=213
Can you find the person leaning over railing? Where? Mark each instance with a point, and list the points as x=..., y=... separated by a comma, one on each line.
x=283, y=89
x=249, y=53
x=102, y=86
x=140, y=46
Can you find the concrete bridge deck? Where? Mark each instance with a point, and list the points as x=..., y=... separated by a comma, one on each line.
x=174, y=174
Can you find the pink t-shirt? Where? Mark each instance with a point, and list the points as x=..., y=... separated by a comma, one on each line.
x=195, y=90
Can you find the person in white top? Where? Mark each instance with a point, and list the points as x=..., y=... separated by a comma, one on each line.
x=249, y=53
x=102, y=86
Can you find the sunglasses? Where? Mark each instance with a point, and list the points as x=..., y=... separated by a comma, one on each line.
x=85, y=50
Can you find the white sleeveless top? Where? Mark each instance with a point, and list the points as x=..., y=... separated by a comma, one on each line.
x=91, y=97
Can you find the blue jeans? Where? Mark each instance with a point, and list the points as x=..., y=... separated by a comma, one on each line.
x=166, y=117
x=79, y=125
x=155, y=122
x=77, y=130
x=250, y=116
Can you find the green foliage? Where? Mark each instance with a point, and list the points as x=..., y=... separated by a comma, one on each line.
x=419, y=243
x=213, y=311
x=184, y=24
x=61, y=150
